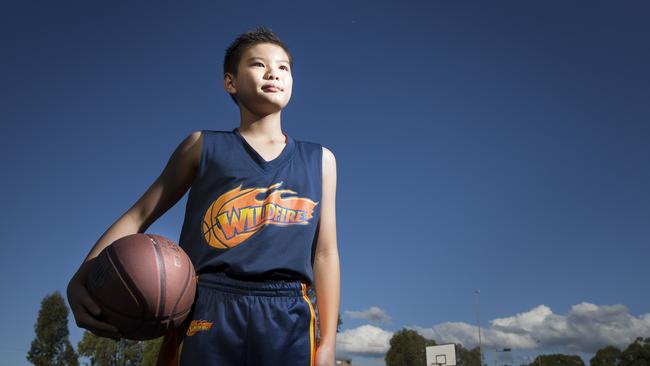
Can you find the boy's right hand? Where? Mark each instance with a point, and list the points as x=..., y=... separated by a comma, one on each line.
x=85, y=310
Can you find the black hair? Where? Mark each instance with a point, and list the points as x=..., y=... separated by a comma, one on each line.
x=245, y=41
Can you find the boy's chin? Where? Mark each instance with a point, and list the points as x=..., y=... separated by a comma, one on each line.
x=267, y=108
x=272, y=103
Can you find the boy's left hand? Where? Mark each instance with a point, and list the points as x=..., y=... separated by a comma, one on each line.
x=325, y=355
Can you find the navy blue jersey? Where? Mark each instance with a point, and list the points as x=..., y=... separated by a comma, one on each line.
x=250, y=218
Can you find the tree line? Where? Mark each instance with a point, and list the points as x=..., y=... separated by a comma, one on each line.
x=408, y=348
x=52, y=347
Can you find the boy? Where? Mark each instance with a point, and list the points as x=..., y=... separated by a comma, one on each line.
x=259, y=227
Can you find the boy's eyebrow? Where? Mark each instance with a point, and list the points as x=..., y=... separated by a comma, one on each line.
x=259, y=58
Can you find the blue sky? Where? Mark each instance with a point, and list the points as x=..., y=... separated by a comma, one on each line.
x=500, y=146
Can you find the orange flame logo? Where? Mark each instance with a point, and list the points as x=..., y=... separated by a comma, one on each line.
x=198, y=326
x=237, y=214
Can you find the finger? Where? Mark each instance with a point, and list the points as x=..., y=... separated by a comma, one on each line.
x=113, y=336
x=89, y=322
x=92, y=306
x=101, y=332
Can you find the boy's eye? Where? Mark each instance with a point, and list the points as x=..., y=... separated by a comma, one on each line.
x=259, y=63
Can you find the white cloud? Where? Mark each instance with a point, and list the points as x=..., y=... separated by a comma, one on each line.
x=373, y=315
x=586, y=328
x=366, y=340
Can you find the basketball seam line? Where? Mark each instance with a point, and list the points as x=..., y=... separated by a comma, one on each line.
x=161, y=273
x=120, y=271
x=185, y=286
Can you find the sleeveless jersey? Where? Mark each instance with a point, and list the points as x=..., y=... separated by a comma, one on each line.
x=250, y=218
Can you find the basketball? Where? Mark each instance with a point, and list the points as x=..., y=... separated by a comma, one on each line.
x=144, y=284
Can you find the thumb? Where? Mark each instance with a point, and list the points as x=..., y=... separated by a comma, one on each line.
x=92, y=307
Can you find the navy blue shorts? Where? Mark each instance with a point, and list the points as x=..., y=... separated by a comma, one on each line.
x=240, y=323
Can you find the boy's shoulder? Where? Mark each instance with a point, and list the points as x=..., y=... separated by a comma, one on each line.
x=306, y=142
x=207, y=131
x=315, y=145
x=214, y=135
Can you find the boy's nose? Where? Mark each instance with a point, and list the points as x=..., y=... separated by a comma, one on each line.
x=272, y=74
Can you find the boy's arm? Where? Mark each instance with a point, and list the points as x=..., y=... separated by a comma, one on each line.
x=326, y=261
x=166, y=190
x=175, y=179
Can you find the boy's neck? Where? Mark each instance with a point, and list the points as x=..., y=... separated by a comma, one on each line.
x=268, y=127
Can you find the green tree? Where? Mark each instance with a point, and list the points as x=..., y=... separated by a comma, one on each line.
x=558, y=360
x=52, y=346
x=107, y=352
x=407, y=348
x=637, y=353
x=465, y=357
x=607, y=356
x=150, y=352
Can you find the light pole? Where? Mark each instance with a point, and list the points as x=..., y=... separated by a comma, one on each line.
x=478, y=322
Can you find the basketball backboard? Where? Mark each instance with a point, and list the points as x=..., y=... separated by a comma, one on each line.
x=441, y=355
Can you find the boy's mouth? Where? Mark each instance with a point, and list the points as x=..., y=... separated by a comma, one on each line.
x=271, y=88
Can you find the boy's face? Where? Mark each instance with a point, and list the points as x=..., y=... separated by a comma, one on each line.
x=260, y=66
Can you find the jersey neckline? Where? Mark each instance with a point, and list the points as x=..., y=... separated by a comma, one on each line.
x=285, y=154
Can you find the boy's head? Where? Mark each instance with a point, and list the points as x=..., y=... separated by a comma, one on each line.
x=245, y=77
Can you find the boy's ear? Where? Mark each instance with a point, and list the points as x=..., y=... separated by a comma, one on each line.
x=229, y=83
